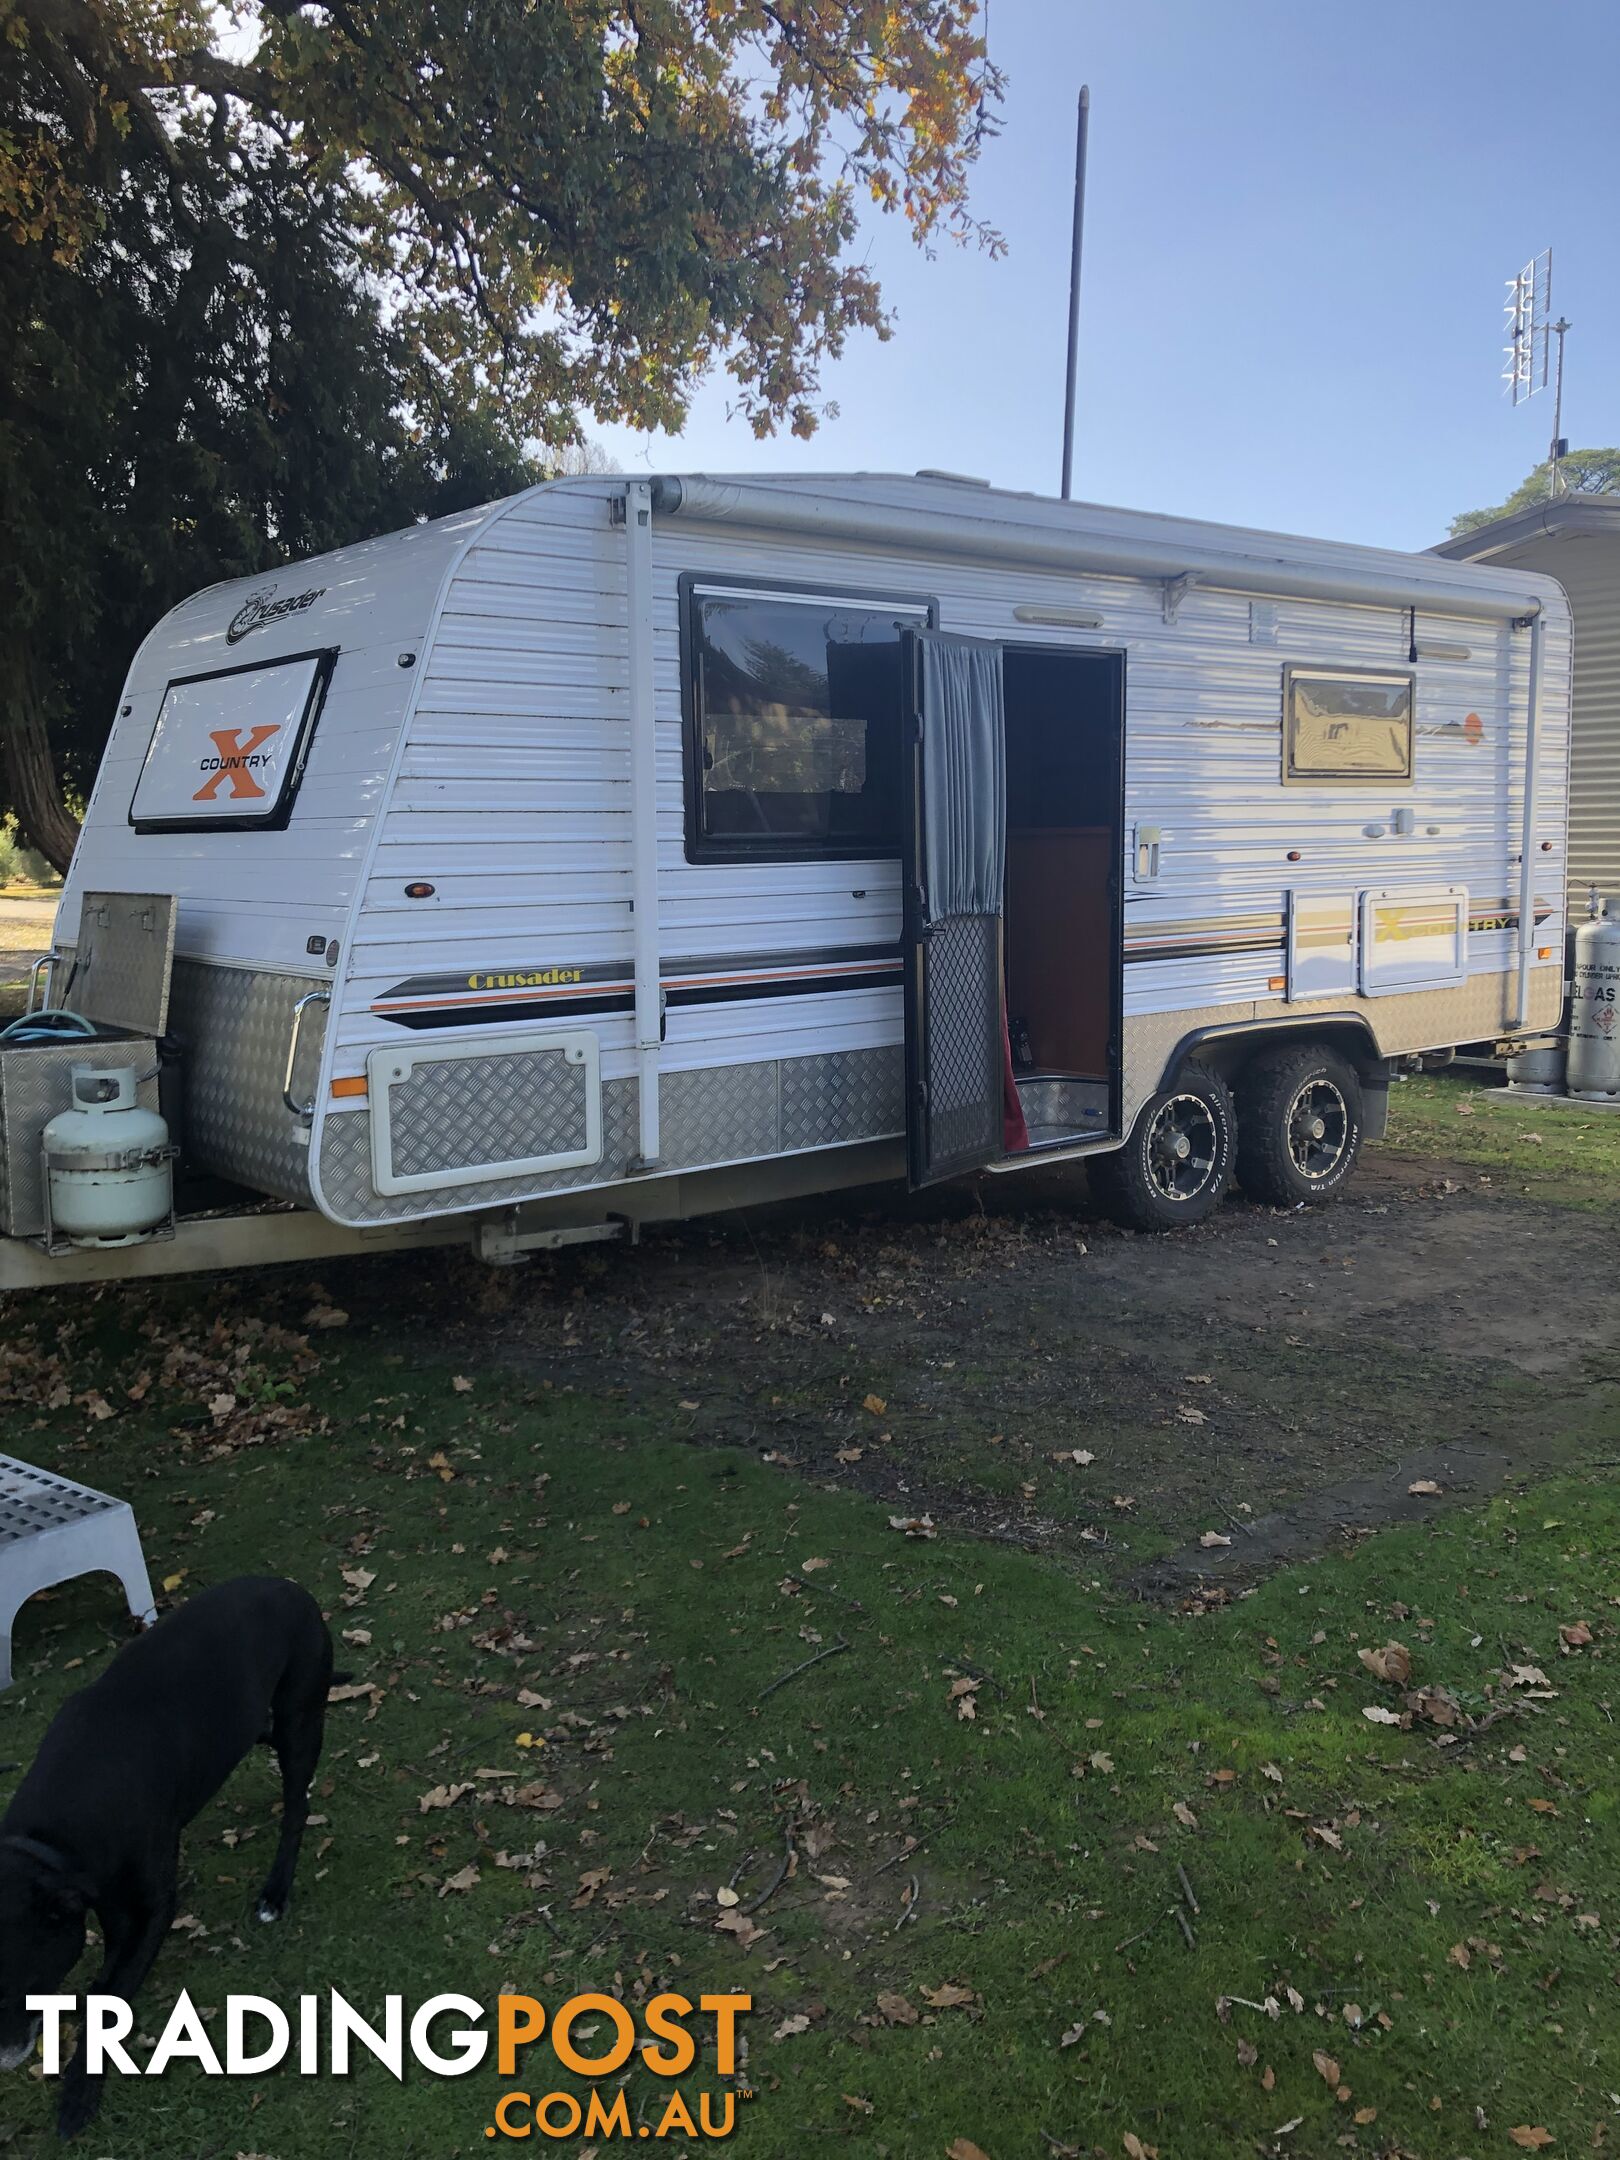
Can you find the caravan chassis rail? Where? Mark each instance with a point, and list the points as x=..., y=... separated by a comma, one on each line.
x=271, y=1237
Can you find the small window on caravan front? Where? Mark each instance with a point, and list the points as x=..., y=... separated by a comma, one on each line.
x=1342, y=725
x=793, y=723
x=228, y=749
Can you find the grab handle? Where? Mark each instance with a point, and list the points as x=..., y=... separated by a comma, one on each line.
x=304, y=1112
x=45, y=960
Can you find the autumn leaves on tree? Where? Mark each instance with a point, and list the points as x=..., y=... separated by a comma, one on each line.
x=274, y=283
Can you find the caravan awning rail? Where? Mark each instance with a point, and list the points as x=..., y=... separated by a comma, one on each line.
x=1087, y=539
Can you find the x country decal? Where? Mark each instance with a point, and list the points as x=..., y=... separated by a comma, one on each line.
x=235, y=763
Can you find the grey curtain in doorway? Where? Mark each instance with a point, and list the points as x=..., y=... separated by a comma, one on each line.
x=964, y=755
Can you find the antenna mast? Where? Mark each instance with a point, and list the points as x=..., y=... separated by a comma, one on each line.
x=1081, y=130
x=1560, y=448
x=1528, y=364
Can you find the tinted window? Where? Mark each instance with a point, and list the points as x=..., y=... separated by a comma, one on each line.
x=1347, y=727
x=797, y=723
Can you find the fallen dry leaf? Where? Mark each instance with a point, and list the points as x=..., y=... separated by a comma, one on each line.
x=791, y=2026
x=461, y=1384
x=441, y=1796
x=1424, y=1488
x=1576, y=1636
x=1434, y=1703
x=896, y=2010
x=1393, y=1662
x=464, y=1879
x=1326, y=2068
x=875, y=1404
x=914, y=1526
x=1184, y=1815
x=742, y=1930
x=1376, y=1714
x=1212, y=1538
x=948, y=1996
x=1532, y=2138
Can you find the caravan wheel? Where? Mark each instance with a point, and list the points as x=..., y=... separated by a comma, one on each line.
x=1299, y=1129
x=1174, y=1168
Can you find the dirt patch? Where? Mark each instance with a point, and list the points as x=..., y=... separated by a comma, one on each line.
x=1000, y=1360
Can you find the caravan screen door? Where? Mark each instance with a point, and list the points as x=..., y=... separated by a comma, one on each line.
x=955, y=847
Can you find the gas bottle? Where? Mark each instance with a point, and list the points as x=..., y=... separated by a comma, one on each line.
x=1594, y=1011
x=108, y=1162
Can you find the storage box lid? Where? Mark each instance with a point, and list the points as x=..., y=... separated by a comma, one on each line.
x=123, y=961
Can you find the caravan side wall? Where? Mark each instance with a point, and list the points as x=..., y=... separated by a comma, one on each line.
x=512, y=800
x=490, y=1016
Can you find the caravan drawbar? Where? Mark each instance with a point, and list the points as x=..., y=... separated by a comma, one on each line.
x=630, y=848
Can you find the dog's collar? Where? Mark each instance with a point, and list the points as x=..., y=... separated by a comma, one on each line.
x=58, y=1864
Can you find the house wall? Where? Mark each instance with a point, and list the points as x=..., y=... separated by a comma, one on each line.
x=1587, y=565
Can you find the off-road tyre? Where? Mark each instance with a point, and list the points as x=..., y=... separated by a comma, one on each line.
x=1300, y=1124
x=1174, y=1169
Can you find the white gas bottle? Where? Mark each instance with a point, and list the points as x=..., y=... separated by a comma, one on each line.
x=108, y=1162
x=1594, y=1009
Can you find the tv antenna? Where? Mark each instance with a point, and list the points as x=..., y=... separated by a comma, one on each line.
x=1529, y=365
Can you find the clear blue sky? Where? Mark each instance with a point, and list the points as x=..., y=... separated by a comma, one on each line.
x=1301, y=215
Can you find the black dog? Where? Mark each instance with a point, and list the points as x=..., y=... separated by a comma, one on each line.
x=124, y=1766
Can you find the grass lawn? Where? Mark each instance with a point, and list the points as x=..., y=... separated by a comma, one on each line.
x=1564, y=1153
x=1067, y=1873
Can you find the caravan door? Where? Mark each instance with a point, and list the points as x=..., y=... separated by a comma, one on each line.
x=954, y=842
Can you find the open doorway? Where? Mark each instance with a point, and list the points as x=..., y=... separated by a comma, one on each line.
x=1065, y=736
x=1011, y=825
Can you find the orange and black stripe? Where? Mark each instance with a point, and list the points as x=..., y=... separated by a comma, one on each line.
x=429, y=1001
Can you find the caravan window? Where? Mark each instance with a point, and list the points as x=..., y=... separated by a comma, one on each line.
x=1341, y=725
x=793, y=736
x=228, y=749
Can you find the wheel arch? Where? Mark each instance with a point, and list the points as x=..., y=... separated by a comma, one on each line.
x=1229, y=1045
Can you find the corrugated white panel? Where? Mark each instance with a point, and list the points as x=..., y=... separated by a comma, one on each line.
x=512, y=791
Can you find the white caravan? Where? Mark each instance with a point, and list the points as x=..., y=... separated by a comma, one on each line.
x=632, y=847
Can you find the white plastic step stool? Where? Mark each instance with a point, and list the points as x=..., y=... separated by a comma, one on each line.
x=52, y=1530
